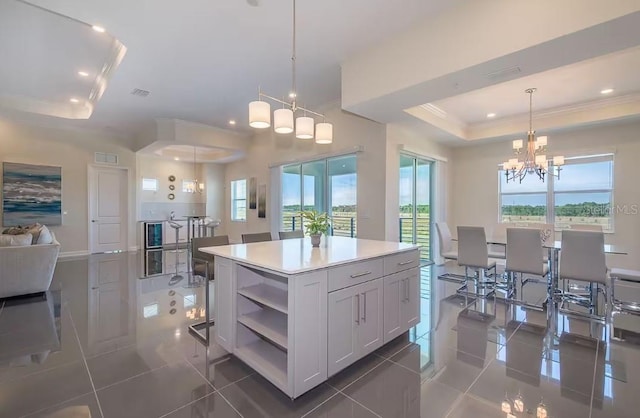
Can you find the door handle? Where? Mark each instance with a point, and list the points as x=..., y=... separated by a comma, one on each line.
x=353, y=276
x=358, y=311
x=364, y=311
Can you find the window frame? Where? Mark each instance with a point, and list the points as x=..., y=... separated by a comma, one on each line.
x=550, y=191
x=234, y=199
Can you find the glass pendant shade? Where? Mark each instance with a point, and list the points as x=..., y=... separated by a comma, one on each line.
x=304, y=127
x=259, y=114
x=324, y=133
x=283, y=121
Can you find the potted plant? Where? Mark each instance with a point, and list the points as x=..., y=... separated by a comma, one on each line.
x=316, y=224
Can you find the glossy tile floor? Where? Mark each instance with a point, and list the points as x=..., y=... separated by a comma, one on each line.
x=105, y=343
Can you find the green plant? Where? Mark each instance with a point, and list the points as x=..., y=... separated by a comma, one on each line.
x=315, y=222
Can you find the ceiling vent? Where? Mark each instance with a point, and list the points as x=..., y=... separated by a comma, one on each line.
x=504, y=73
x=435, y=110
x=140, y=92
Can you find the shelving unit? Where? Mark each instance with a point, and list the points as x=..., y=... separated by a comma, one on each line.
x=270, y=324
x=267, y=295
x=267, y=360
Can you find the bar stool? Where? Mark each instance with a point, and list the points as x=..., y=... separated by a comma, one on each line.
x=177, y=277
x=525, y=256
x=582, y=259
x=473, y=254
x=176, y=226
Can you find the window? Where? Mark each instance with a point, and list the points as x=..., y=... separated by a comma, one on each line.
x=150, y=184
x=328, y=185
x=583, y=195
x=239, y=200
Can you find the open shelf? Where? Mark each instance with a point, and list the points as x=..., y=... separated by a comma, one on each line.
x=270, y=324
x=267, y=295
x=267, y=360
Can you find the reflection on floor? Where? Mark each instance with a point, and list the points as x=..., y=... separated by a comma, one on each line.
x=105, y=343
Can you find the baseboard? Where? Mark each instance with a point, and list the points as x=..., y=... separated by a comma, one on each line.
x=69, y=254
x=134, y=249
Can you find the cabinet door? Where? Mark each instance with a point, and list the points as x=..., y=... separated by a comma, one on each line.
x=370, y=333
x=411, y=301
x=224, y=303
x=168, y=234
x=343, y=318
x=393, y=310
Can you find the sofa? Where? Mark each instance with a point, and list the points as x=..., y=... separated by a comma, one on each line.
x=27, y=269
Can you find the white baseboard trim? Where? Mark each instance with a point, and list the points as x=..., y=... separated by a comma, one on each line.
x=69, y=254
x=133, y=249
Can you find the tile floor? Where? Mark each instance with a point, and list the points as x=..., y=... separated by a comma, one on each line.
x=104, y=343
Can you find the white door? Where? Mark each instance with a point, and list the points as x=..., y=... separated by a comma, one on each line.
x=411, y=305
x=344, y=316
x=370, y=333
x=108, y=205
x=393, y=296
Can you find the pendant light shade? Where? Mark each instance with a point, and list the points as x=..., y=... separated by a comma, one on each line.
x=324, y=133
x=283, y=121
x=259, y=114
x=304, y=127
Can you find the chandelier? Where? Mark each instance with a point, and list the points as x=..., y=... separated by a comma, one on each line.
x=534, y=158
x=260, y=111
x=194, y=185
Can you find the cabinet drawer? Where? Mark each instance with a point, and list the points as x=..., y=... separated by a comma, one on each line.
x=355, y=273
x=402, y=261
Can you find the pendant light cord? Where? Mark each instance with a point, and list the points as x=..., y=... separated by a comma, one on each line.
x=293, y=61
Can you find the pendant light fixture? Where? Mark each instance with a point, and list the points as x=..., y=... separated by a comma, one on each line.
x=195, y=186
x=283, y=119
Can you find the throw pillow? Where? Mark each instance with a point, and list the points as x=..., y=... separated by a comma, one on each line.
x=14, y=230
x=44, y=237
x=15, y=240
x=34, y=230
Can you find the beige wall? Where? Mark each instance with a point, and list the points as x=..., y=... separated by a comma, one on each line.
x=72, y=150
x=214, y=175
x=268, y=148
x=475, y=183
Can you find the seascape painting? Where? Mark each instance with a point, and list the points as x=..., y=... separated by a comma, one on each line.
x=262, y=201
x=30, y=194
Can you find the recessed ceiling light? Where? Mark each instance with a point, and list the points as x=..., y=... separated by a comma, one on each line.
x=83, y=74
x=98, y=28
x=491, y=115
x=74, y=100
x=232, y=122
x=176, y=158
x=606, y=91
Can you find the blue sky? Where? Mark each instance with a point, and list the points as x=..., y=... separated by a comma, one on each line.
x=343, y=189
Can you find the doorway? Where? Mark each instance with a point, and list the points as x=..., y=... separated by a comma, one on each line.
x=108, y=209
x=415, y=202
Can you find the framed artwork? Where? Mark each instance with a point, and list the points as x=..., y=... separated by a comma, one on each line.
x=252, y=193
x=262, y=201
x=30, y=194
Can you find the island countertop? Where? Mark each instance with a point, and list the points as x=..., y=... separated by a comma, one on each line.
x=293, y=256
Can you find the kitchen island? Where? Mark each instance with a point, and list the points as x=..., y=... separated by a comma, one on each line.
x=298, y=315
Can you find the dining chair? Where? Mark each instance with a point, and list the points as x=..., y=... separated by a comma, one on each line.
x=582, y=259
x=298, y=233
x=202, y=263
x=448, y=252
x=473, y=255
x=525, y=257
x=259, y=237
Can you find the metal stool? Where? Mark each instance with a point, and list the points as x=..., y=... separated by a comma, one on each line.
x=177, y=227
x=177, y=277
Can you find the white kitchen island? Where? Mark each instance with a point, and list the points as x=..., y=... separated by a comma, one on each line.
x=298, y=315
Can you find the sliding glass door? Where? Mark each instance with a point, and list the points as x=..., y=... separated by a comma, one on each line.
x=415, y=202
x=328, y=185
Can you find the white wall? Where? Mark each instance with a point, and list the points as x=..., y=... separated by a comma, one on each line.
x=214, y=175
x=73, y=150
x=268, y=148
x=475, y=183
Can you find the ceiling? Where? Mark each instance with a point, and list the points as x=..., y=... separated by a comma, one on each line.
x=203, y=60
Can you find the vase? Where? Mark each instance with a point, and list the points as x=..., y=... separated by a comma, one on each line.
x=315, y=240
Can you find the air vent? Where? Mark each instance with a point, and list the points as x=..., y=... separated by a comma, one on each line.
x=504, y=73
x=106, y=158
x=253, y=3
x=435, y=110
x=140, y=92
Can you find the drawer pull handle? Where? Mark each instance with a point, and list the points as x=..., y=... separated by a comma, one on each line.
x=404, y=263
x=353, y=276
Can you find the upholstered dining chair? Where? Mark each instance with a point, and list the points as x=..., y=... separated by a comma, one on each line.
x=298, y=233
x=259, y=237
x=582, y=259
x=525, y=257
x=448, y=252
x=474, y=255
x=202, y=263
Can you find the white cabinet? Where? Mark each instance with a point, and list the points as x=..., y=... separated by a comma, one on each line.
x=355, y=323
x=401, y=302
x=225, y=304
